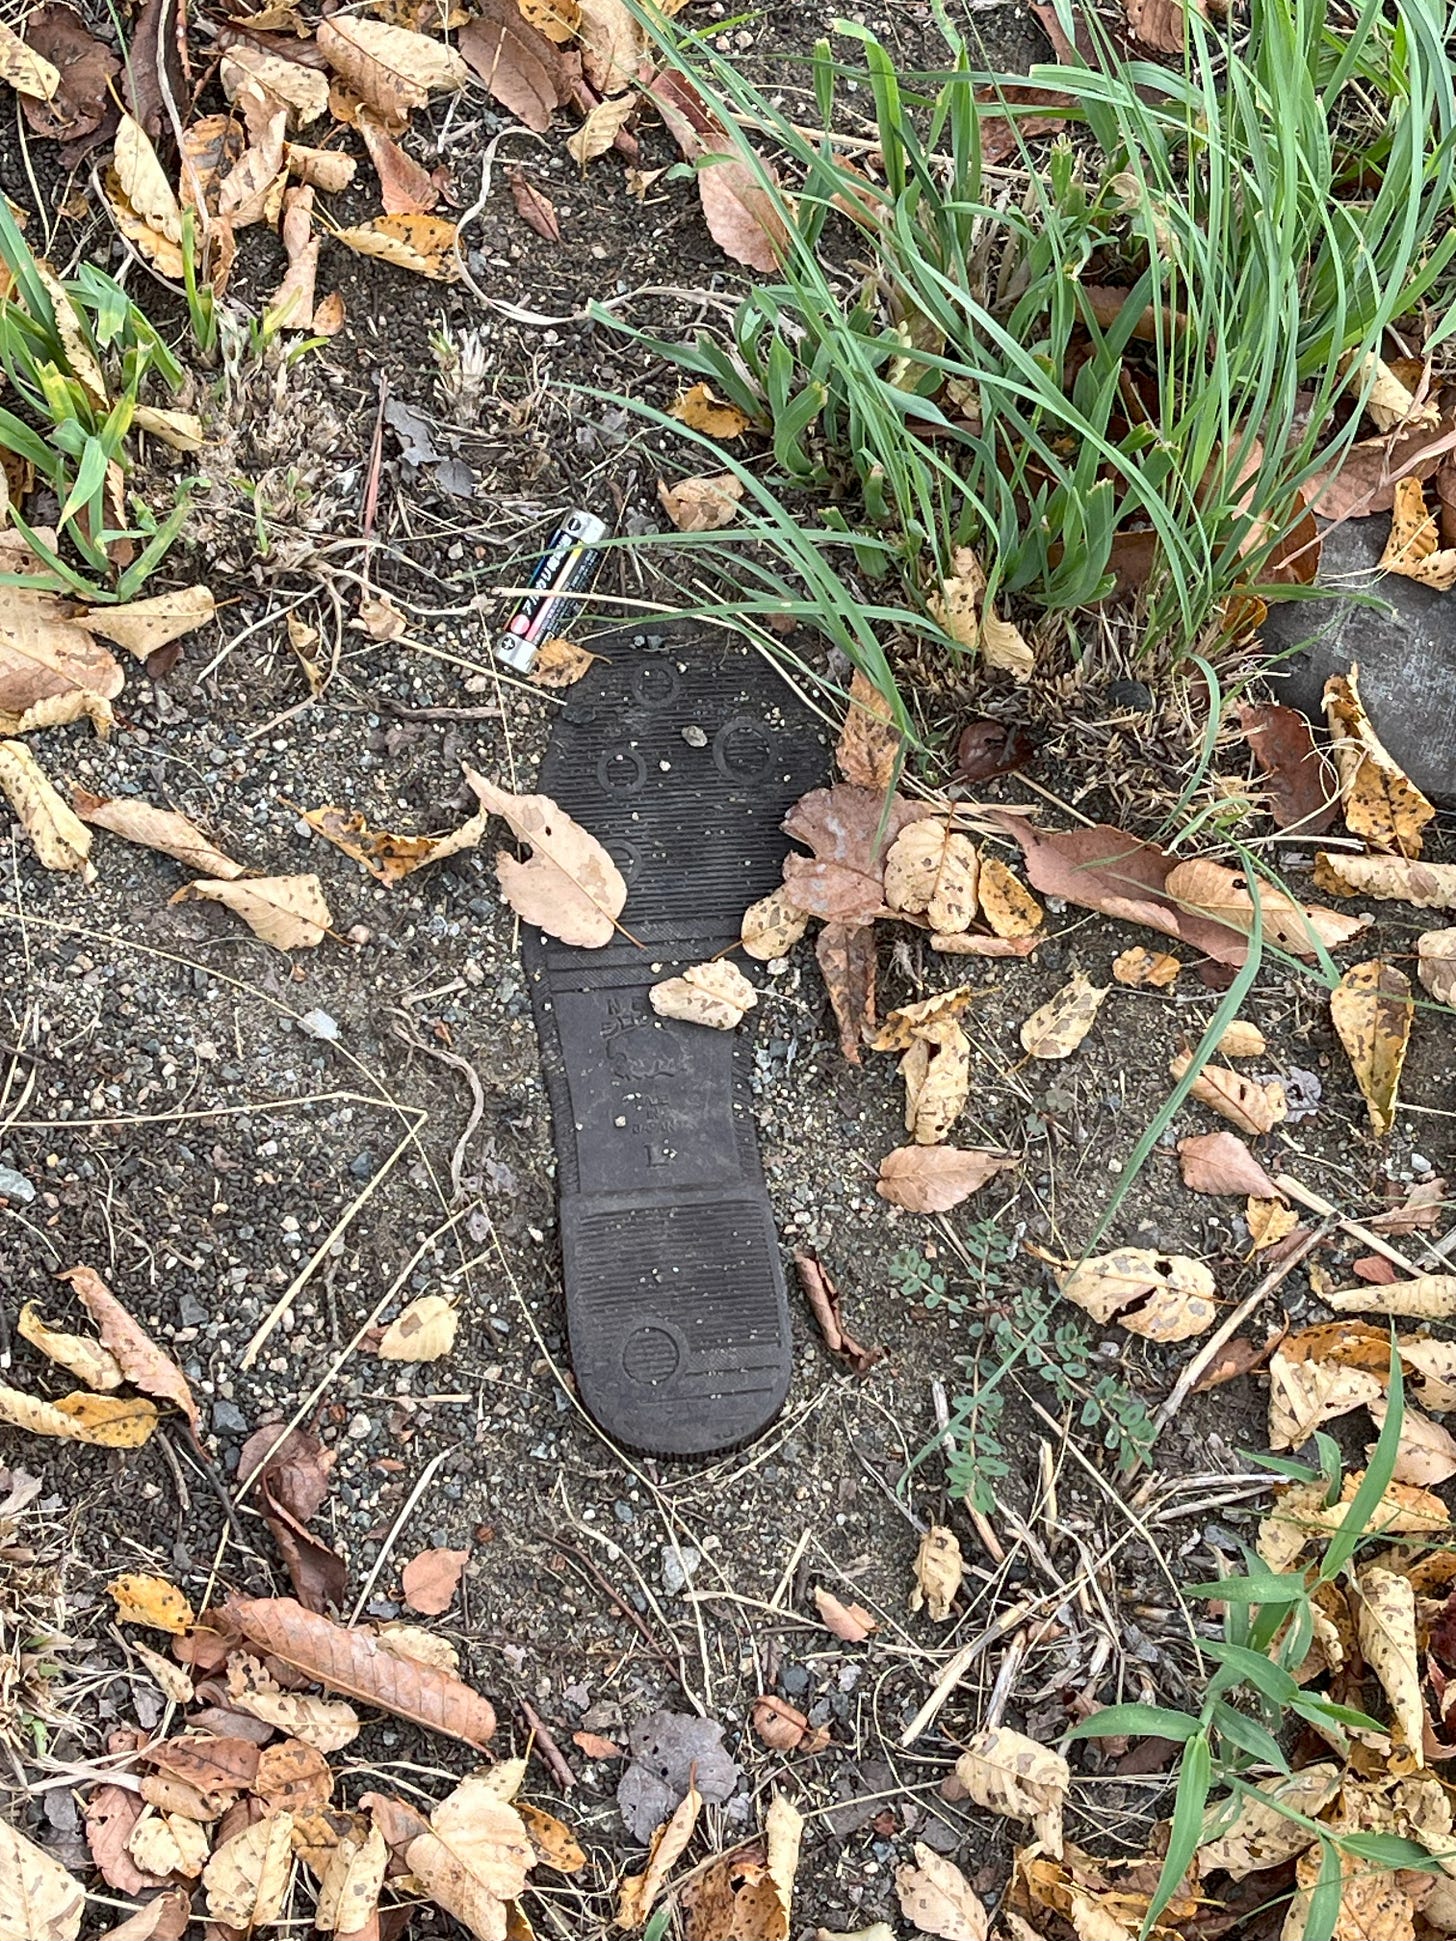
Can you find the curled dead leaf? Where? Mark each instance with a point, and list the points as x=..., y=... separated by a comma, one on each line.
x=669, y=1843
x=939, y=1570
x=143, y=1363
x=1305, y=1394
x=1414, y=549
x=1139, y=966
x=716, y=994
x=1436, y=964
x=1426, y=1452
x=1372, y=1011
x=1227, y=896
x=937, y=1084
x=1166, y=1297
x=933, y=1179
x=1427, y=1297
x=868, y=749
x=288, y=912
x=1010, y=1774
x=851, y=1622
x=1388, y=879
x=1380, y=801
x=701, y=504
x=143, y=1599
x=389, y=858
x=1254, y=1107
x=1385, y=1620
x=936, y=1897
x=160, y=829
x=105, y=1421
x=87, y=1360
x=60, y=839
x=1056, y=1030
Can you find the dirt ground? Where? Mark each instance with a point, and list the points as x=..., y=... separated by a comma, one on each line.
x=180, y=1124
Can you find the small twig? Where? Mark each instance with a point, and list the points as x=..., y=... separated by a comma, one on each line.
x=955, y=1669
x=1005, y=1681
x=388, y=705
x=604, y=1583
x=550, y=1751
x=376, y=466
x=477, y=1097
x=1194, y=1372
x=426, y=1475
x=1292, y=1190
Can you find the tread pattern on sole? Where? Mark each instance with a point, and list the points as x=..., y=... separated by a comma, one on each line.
x=681, y=753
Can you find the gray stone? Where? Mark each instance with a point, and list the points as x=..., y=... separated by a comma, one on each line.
x=318, y=1024
x=1405, y=647
x=15, y=1186
x=190, y=1312
x=228, y=1419
x=678, y=1564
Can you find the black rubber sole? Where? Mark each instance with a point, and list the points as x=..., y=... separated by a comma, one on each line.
x=681, y=753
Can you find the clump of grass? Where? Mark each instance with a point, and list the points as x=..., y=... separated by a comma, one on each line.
x=78, y=356
x=944, y=359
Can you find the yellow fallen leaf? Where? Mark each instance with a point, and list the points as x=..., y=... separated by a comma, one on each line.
x=1426, y=1453
x=78, y=1354
x=1270, y=1221
x=1207, y=889
x=389, y=857
x=39, y=1900
x=1381, y=803
x=1414, y=549
x=558, y=20
x=142, y=626
x=26, y=71
x=1387, y=879
x=349, y=1889
x=868, y=750
x=939, y=1569
x=144, y=182
x=1429, y=1297
x=143, y=1599
x=1242, y=1040
x=772, y=926
x=1166, y=1297
x=555, y=1843
x=59, y=711
x=927, y=1018
x=1139, y=966
x=1385, y=1620
x=1253, y=1107
x=560, y=663
x=701, y=411
x=1303, y=1395
x=570, y=887
x=1008, y=1773
x=1260, y=1836
x=1372, y=1011
x=936, y=1897
x=639, y=1891
x=1007, y=907
x=161, y=829
x=1373, y=1903
x=161, y=251
x=61, y=840
x=180, y=430
x=286, y=911
x=1388, y=399
x=425, y=1331
x=715, y=994
x=601, y=128
x=937, y=1084
x=932, y=871
x=476, y=1856
x=425, y=245
x=1004, y=645
x=1056, y=1030
x=246, y=1880
x=169, y=1843
x=106, y=1421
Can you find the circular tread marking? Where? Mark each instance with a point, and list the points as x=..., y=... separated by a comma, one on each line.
x=651, y=1354
x=621, y=771
x=742, y=751
x=656, y=684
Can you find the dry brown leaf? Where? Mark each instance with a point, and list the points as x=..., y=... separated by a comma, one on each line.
x=1388, y=879
x=701, y=504
x=939, y=1569
x=701, y=411
x=476, y=1855
x=390, y=68
x=348, y=1893
x=967, y=943
x=105, y=1421
x=559, y=20
x=1004, y=645
x=936, y=1897
x=59, y=711
x=1436, y=966
x=1372, y=1010
x=937, y=1084
x=933, y=1179
x=288, y=912
x=1385, y=1620
x=143, y=181
x=1139, y=966
x=556, y=1845
x=1303, y=1395
x=868, y=749
x=111, y=1815
x=1260, y=1836
x=302, y=90
x=850, y=831
x=291, y=305
x=1163, y=24
x=293, y=1777
x=173, y=1680
x=932, y=871
x=164, y=255
x=1056, y=1030
x=378, y=616
x=1414, y=549
x=595, y=136
x=1166, y=1297
x=596, y=1747
x=928, y=1019
x=1242, y=1040
x=39, y=1900
x=1299, y=782
x=142, y=1362
x=519, y=65
x=165, y=1917
x=424, y=1331
x=1010, y=1774
x=846, y=955
x=321, y=168
x=569, y=887
x=772, y=926
x=1224, y=896
x=823, y=1298
x=432, y=1579
x=1380, y=801
x=326, y=1724
x=738, y=204
x=353, y=1662
x=389, y=858
x=161, y=829
x=1434, y=1364
x=87, y=1360
x=169, y=1843
x=640, y=1891
x=1269, y=1222
x=1428, y=1297
x=424, y=245
x=28, y=72
x=1385, y=395
x=1253, y=1107
x=1217, y=1162
x=406, y=186
x=535, y=208
x=143, y=1599
x=560, y=663
x=716, y=994
x=612, y=44
x=1426, y=1454
x=424, y=1647
x=60, y=839
x=1007, y=906
x=246, y=1880
x=851, y=1622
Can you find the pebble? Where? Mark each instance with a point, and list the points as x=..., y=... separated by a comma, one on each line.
x=228, y=1419
x=678, y=1566
x=1420, y=1164
x=318, y=1024
x=15, y=1186
x=623, y=1512
x=191, y=1312
x=362, y=1166
x=361, y=1428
